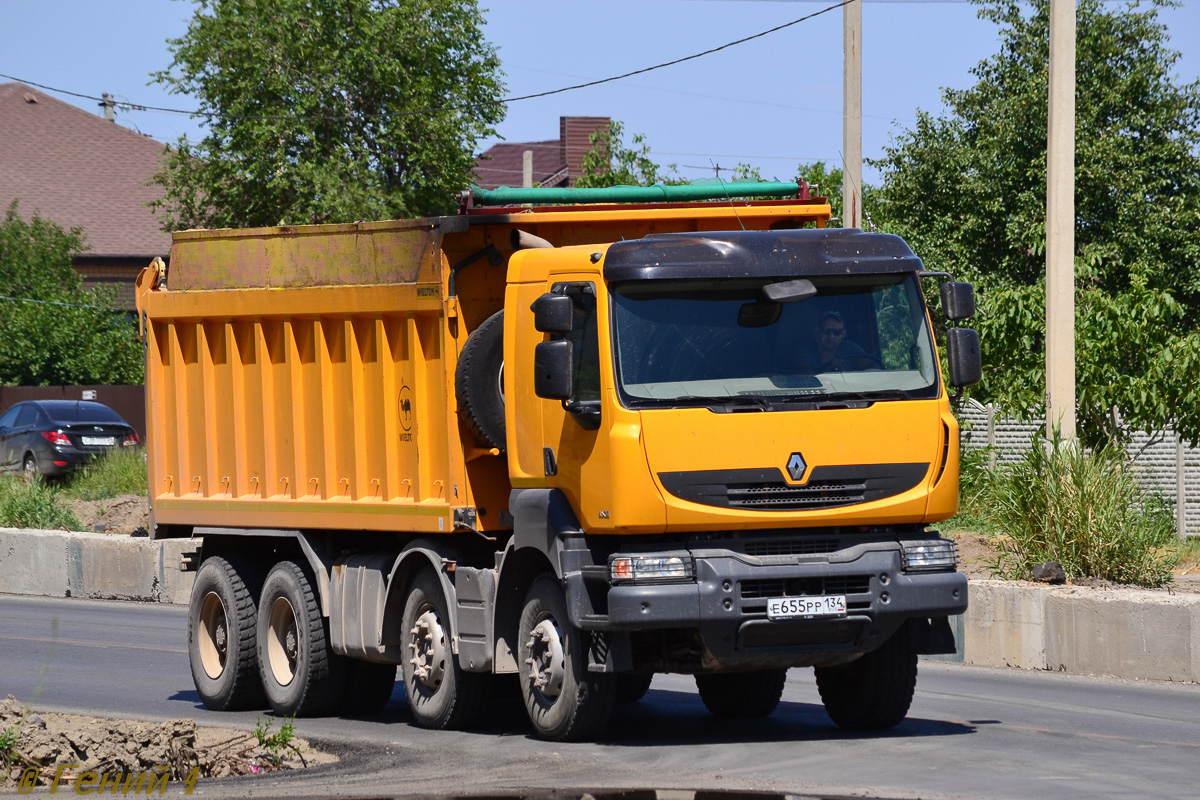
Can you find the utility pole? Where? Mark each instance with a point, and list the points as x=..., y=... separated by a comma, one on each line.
x=852, y=115
x=108, y=104
x=1060, y=223
x=527, y=169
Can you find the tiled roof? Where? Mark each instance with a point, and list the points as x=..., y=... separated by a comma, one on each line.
x=501, y=164
x=79, y=169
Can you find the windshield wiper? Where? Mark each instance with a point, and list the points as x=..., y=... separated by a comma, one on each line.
x=730, y=402
x=870, y=395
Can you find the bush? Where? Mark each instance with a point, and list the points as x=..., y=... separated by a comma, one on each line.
x=1083, y=509
x=33, y=505
x=120, y=472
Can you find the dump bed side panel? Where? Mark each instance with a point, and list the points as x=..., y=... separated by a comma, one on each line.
x=302, y=407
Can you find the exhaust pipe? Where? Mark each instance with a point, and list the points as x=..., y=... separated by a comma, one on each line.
x=520, y=240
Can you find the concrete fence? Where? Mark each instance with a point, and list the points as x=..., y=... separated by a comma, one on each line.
x=1162, y=461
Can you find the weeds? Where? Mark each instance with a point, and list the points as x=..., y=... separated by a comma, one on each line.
x=33, y=505
x=276, y=743
x=122, y=471
x=8, y=745
x=1083, y=509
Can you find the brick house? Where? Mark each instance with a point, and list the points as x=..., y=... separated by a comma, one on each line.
x=82, y=170
x=556, y=162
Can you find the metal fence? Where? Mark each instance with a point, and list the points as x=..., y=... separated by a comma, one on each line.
x=1162, y=461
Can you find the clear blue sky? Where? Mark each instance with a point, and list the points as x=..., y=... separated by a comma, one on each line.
x=773, y=102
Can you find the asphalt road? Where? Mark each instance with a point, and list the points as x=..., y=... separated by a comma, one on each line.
x=972, y=732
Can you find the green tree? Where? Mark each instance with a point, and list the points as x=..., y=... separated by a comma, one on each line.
x=967, y=189
x=52, y=331
x=612, y=162
x=328, y=110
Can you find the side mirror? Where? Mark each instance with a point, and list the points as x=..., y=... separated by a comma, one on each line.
x=553, y=313
x=554, y=368
x=958, y=300
x=962, y=353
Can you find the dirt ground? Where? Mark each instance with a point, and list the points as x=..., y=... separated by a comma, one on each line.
x=111, y=747
x=126, y=514
x=974, y=552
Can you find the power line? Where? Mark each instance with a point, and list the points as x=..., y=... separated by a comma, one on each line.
x=460, y=107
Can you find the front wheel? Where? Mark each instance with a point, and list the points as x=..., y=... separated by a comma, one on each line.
x=440, y=694
x=874, y=692
x=742, y=695
x=300, y=672
x=565, y=702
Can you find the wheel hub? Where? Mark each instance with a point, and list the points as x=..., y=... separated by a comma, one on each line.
x=428, y=648
x=283, y=641
x=213, y=639
x=546, y=662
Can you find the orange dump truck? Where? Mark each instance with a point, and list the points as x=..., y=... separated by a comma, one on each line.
x=581, y=443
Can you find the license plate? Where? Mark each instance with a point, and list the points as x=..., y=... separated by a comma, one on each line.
x=100, y=440
x=833, y=605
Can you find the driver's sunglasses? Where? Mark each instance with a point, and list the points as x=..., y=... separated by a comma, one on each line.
x=832, y=331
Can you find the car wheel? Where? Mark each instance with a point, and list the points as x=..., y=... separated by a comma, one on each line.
x=440, y=694
x=29, y=470
x=221, y=633
x=300, y=672
x=565, y=701
x=742, y=695
x=874, y=692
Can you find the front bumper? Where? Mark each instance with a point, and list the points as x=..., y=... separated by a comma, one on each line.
x=727, y=604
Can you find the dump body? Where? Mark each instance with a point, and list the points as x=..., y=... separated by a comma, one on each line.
x=583, y=444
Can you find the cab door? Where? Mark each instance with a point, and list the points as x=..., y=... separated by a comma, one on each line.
x=575, y=443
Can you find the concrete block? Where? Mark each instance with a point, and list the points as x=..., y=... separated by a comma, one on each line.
x=1125, y=633
x=113, y=567
x=1005, y=625
x=174, y=586
x=34, y=562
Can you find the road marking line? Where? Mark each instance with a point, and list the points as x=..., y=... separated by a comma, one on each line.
x=92, y=644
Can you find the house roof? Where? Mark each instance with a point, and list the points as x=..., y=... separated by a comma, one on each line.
x=79, y=169
x=556, y=162
x=502, y=164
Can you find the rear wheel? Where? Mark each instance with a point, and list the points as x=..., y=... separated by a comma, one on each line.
x=439, y=693
x=742, y=695
x=632, y=686
x=222, y=615
x=564, y=700
x=369, y=687
x=874, y=692
x=29, y=469
x=300, y=672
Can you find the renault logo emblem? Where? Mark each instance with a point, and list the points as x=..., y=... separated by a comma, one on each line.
x=796, y=466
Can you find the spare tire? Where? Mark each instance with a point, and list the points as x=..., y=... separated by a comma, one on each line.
x=479, y=382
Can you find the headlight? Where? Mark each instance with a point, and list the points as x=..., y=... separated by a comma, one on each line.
x=651, y=567
x=929, y=555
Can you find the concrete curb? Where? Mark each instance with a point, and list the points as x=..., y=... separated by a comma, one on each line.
x=1124, y=633
x=93, y=565
x=1120, y=633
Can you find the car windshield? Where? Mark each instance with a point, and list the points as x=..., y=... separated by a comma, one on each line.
x=700, y=342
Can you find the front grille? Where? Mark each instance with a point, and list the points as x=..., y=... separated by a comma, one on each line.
x=790, y=547
x=766, y=489
x=781, y=496
x=805, y=587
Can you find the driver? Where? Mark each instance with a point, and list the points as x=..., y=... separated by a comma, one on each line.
x=831, y=351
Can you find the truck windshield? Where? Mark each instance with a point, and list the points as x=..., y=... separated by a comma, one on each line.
x=706, y=342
